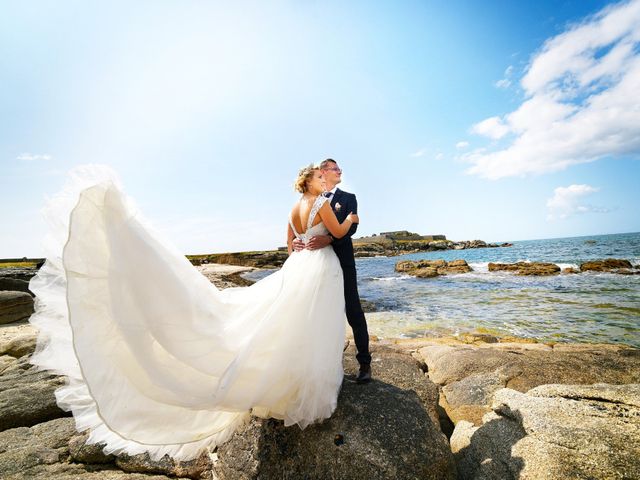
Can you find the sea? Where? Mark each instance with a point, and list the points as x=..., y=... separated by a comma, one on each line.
x=584, y=307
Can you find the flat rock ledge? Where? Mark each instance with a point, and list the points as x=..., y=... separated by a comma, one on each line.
x=469, y=375
x=555, y=432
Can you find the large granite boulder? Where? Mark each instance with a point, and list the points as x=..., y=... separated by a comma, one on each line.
x=554, y=432
x=469, y=375
x=379, y=430
x=27, y=395
x=15, y=306
x=526, y=268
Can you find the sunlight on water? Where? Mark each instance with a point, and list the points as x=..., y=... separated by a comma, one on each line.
x=591, y=307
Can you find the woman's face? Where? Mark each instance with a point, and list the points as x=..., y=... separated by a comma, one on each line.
x=317, y=184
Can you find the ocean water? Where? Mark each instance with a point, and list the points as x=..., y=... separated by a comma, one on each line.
x=585, y=307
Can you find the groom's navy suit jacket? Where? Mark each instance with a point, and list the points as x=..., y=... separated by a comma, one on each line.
x=344, y=203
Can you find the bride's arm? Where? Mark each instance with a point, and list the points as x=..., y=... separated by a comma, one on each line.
x=330, y=221
x=290, y=237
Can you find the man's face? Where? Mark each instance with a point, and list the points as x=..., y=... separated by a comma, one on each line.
x=332, y=174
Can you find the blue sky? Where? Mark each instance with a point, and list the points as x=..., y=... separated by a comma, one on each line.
x=492, y=120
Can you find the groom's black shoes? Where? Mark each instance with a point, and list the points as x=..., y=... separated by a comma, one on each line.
x=364, y=376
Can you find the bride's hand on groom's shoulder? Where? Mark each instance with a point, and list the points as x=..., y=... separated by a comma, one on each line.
x=354, y=218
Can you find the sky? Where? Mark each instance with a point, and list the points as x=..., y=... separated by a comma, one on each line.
x=493, y=120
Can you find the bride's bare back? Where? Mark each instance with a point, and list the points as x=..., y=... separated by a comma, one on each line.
x=300, y=214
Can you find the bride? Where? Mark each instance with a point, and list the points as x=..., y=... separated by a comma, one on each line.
x=157, y=358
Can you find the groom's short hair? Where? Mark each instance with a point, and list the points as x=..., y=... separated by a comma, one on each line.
x=325, y=163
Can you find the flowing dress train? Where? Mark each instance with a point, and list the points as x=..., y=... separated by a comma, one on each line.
x=157, y=358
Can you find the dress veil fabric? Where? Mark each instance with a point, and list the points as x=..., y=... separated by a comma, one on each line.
x=157, y=358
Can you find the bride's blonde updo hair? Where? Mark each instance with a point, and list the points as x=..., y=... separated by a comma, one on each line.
x=304, y=175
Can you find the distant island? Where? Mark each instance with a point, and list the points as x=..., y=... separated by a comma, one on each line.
x=385, y=244
x=402, y=242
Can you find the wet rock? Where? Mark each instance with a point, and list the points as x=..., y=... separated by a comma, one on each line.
x=607, y=265
x=570, y=270
x=432, y=268
x=526, y=268
x=554, y=432
x=378, y=431
x=15, y=306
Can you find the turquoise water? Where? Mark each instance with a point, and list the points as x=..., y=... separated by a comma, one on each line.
x=586, y=307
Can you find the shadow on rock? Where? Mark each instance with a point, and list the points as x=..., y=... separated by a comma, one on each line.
x=378, y=431
x=485, y=452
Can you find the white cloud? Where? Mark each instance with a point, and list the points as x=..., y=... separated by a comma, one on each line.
x=568, y=201
x=505, y=82
x=419, y=153
x=493, y=127
x=581, y=104
x=461, y=145
x=29, y=157
x=439, y=156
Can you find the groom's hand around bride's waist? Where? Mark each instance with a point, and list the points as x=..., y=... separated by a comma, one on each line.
x=319, y=241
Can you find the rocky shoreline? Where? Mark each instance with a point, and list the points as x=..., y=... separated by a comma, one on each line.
x=470, y=407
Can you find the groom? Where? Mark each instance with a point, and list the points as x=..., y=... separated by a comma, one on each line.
x=344, y=203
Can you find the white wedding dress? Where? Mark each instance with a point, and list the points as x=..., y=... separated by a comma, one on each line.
x=158, y=359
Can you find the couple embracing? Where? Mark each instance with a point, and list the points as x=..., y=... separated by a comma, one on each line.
x=120, y=310
x=319, y=186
